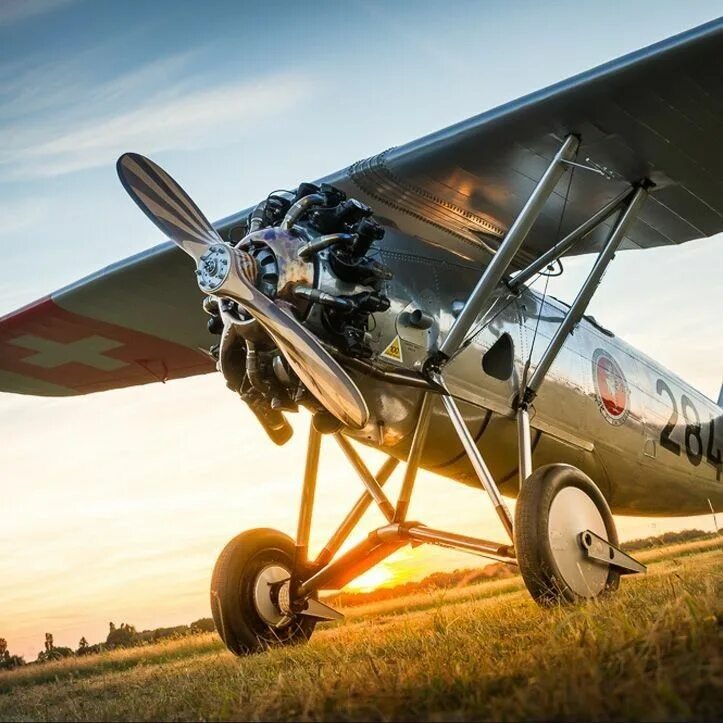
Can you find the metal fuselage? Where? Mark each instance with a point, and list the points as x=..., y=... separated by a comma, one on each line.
x=650, y=441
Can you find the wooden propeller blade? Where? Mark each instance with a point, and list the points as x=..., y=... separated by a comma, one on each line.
x=166, y=204
x=229, y=272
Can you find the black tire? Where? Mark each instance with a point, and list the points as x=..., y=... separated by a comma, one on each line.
x=535, y=553
x=234, y=611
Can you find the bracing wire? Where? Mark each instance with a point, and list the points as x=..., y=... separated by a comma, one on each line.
x=526, y=370
x=547, y=281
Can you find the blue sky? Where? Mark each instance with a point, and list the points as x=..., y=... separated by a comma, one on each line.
x=237, y=99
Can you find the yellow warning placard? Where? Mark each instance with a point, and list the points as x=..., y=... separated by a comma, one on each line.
x=394, y=350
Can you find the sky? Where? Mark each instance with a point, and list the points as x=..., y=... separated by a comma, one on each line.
x=115, y=506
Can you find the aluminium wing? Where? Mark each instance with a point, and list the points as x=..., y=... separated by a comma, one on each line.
x=656, y=113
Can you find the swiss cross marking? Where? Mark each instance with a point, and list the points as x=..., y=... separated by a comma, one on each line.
x=89, y=351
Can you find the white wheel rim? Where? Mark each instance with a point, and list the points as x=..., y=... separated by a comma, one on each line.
x=268, y=579
x=572, y=511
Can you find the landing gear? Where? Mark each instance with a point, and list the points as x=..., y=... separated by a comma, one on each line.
x=250, y=593
x=558, y=506
x=264, y=589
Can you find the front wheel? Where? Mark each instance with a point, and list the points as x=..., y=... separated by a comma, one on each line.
x=556, y=504
x=250, y=574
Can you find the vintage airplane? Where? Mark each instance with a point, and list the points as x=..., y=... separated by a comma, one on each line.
x=392, y=300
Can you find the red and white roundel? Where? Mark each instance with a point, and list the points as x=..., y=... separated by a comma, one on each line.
x=611, y=387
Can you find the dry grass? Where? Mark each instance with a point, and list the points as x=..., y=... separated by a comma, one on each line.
x=651, y=652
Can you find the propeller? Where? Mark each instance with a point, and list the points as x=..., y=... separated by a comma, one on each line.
x=225, y=271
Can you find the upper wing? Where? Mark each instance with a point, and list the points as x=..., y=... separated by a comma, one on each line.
x=657, y=113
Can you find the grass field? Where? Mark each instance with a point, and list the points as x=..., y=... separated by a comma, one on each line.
x=651, y=652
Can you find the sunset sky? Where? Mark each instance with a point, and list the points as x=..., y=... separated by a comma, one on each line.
x=115, y=506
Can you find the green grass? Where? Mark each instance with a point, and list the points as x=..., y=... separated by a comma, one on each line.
x=651, y=652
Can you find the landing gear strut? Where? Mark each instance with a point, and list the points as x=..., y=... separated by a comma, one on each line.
x=264, y=589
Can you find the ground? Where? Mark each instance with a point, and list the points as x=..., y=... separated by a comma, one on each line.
x=650, y=652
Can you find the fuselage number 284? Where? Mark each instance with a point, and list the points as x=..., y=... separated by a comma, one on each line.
x=699, y=440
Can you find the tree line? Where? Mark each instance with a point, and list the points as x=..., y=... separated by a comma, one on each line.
x=119, y=636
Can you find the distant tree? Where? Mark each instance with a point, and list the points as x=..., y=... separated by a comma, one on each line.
x=7, y=661
x=91, y=649
x=4, y=653
x=122, y=637
x=202, y=625
x=82, y=646
x=55, y=653
x=666, y=538
x=14, y=661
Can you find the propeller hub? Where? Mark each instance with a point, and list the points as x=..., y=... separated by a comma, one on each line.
x=213, y=268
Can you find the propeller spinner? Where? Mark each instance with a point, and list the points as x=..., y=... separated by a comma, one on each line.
x=229, y=272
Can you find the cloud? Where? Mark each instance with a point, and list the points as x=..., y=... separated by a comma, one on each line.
x=58, y=121
x=189, y=122
x=69, y=87
x=15, y=11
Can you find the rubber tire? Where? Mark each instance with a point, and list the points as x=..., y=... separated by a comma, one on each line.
x=232, y=589
x=532, y=542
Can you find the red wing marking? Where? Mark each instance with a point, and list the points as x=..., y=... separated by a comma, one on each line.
x=50, y=344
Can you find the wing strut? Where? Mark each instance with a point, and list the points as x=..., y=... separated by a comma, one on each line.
x=631, y=200
x=585, y=294
x=563, y=246
x=508, y=248
x=477, y=301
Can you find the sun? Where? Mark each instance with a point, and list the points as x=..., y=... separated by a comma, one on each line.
x=372, y=579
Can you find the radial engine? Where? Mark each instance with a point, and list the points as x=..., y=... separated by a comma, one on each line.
x=313, y=251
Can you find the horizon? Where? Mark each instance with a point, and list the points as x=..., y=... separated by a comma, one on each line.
x=363, y=594
x=116, y=504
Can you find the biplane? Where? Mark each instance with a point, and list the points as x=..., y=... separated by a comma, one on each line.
x=393, y=301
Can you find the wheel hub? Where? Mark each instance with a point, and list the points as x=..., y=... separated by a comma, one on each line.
x=572, y=512
x=271, y=595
